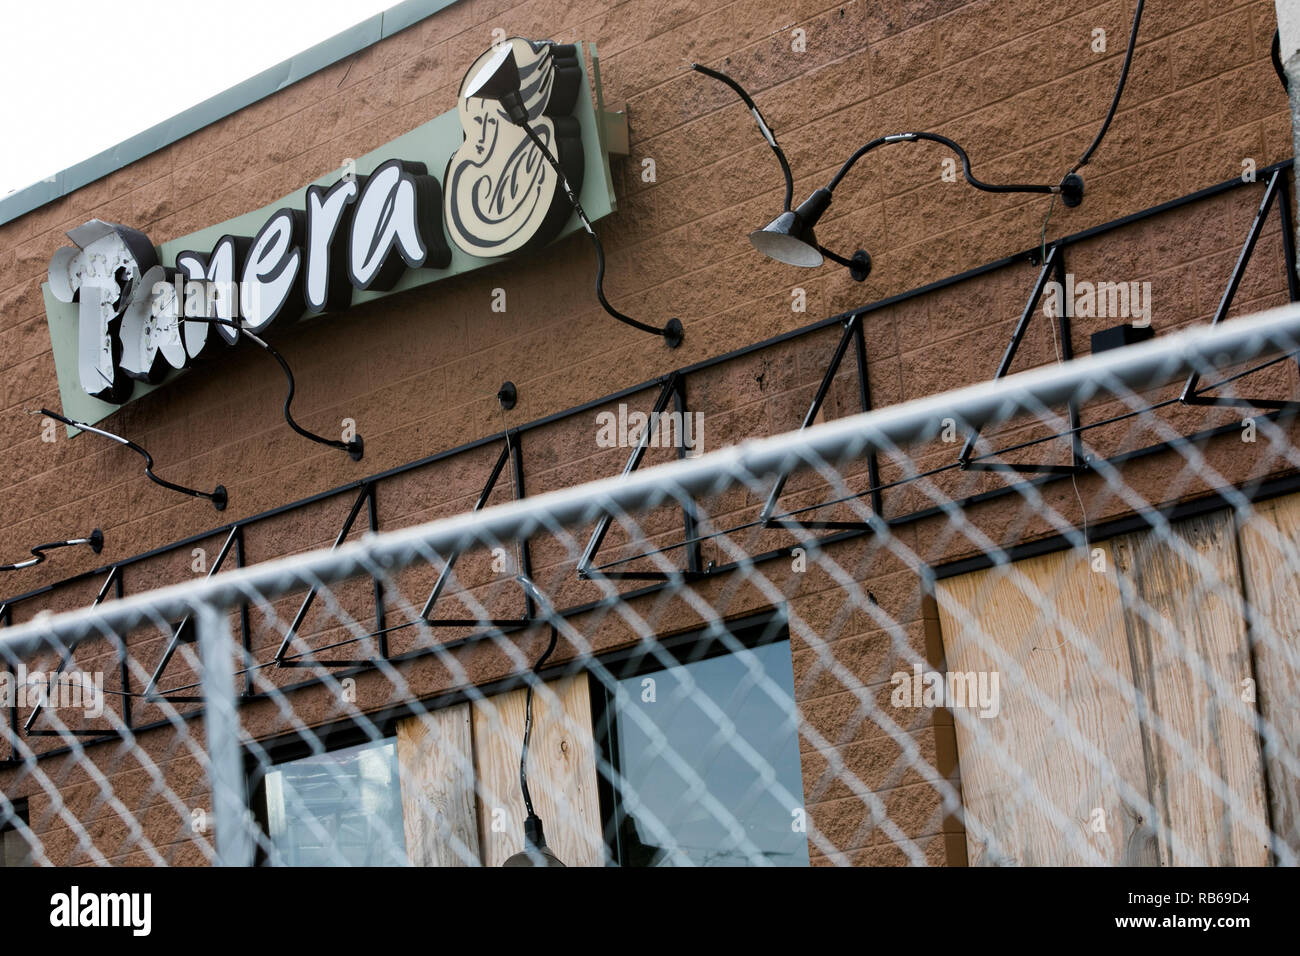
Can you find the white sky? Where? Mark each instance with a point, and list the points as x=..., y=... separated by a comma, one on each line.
x=79, y=76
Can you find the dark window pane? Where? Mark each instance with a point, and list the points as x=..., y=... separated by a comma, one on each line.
x=14, y=850
x=336, y=809
x=712, y=763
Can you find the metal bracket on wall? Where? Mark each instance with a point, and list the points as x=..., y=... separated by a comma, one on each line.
x=510, y=454
x=1150, y=214
x=854, y=334
x=366, y=496
x=1192, y=393
x=615, y=132
x=673, y=389
x=186, y=633
x=1054, y=266
x=113, y=582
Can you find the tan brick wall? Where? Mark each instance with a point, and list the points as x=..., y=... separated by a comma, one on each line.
x=1013, y=81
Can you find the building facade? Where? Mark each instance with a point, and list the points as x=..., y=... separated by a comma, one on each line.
x=1171, y=194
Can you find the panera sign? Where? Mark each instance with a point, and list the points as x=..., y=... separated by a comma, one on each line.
x=118, y=307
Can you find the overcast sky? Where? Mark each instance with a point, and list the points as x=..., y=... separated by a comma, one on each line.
x=78, y=77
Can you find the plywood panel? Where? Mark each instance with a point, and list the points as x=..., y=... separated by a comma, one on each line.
x=435, y=757
x=561, y=772
x=1186, y=590
x=1039, y=799
x=1270, y=553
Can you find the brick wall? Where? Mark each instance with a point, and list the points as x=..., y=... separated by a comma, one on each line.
x=1015, y=82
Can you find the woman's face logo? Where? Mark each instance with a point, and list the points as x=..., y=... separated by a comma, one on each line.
x=500, y=194
x=485, y=121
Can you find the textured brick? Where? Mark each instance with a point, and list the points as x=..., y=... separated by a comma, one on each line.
x=1014, y=81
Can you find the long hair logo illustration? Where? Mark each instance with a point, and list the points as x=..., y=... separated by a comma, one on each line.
x=501, y=196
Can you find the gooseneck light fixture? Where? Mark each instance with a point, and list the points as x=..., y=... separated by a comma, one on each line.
x=96, y=542
x=498, y=79
x=355, y=448
x=805, y=248
x=217, y=495
x=535, y=851
x=790, y=237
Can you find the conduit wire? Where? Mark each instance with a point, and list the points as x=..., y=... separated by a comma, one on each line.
x=1105, y=125
x=528, y=719
x=217, y=496
x=355, y=448
x=95, y=539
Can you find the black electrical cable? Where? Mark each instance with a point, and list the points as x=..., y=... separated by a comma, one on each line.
x=965, y=164
x=217, y=496
x=1276, y=53
x=528, y=721
x=763, y=126
x=766, y=130
x=672, y=332
x=355, y=448
x=95, y=540
x=1119, y=91
x=1101, y=133
x=1070, y=187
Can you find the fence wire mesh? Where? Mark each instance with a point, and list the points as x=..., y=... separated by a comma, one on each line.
x=850, y=644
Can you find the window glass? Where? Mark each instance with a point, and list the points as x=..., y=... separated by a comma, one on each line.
x=710, y=750
x=14, y=850
x=339, y=808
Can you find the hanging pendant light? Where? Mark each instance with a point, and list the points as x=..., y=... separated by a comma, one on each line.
x=535, y=851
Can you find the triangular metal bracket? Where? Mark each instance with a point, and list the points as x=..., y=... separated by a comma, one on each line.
x=112, y=582
x=185, y=633
x=511, y=454
x=364, y=496
x=853, y=334
x=673, y=389
x=1053, y=266
x=1193, y=393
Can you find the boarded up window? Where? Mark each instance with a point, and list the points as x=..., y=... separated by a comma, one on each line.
x=1121, y=737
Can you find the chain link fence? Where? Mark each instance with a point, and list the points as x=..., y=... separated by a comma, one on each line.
x=1071, y=639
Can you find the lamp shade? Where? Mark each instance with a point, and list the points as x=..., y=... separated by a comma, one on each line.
x=496, y=77
x=535, y=851
x=789, y=238
x=538, y=856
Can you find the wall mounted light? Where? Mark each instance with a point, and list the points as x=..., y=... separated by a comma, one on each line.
x=790, y=237
x=535, y=851
x=355, y=448
x=217, y=495
x=498, y=79
x=96, y=542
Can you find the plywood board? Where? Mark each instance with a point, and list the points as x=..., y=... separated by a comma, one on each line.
x=1184, y=615
x=436, y=760
x=1061, y=623
x=561, y=772
x=1270, y=555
